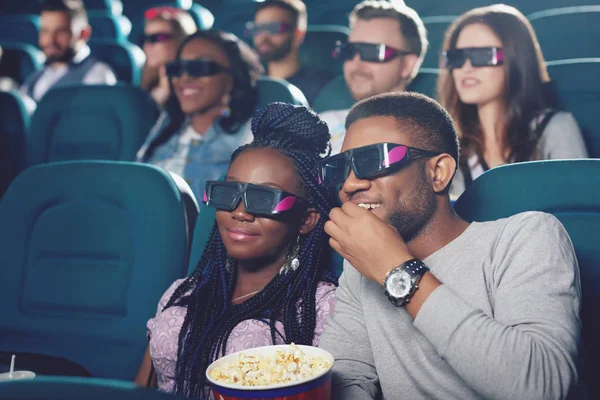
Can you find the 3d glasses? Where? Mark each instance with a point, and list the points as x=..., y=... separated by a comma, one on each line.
x=258, y=200
x=369, y=162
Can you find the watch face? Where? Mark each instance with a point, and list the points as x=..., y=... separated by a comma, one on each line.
x=399, y=284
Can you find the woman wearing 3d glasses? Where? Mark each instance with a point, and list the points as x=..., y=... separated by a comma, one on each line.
x=213, y=82
x=164, y=30
x=496, y=87
x=264, y=277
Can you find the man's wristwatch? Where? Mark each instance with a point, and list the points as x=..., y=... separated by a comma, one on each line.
x=402, y=282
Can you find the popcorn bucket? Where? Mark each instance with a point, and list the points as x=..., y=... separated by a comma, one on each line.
x=317, y=387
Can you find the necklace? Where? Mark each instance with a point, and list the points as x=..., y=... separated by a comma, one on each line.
x=245, y=296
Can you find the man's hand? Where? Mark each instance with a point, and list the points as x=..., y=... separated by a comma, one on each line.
x=372, y=247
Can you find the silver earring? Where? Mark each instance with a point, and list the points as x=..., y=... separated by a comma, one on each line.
x=291, y=262
x=226, y=110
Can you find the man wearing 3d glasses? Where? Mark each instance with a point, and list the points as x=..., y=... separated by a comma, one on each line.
x=278, y=31
x=430, y=306
x=383, y=54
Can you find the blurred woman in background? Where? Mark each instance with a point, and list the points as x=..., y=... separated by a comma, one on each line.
x=495, y=85
x=213, y=85
x=164, y=30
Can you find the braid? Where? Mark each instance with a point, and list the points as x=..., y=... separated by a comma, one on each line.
x=210, y=317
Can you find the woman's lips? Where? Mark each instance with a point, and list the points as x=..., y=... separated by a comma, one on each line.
x=241, y=235
x=187, y=92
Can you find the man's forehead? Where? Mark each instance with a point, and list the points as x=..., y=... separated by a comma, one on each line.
x=55, y=18
x=377, y=30
x=372, y=130
x=273, y=13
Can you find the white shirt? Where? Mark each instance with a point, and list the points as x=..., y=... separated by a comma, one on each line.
x=99, y=74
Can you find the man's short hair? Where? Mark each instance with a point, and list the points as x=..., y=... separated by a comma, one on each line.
x=73, y=8
x=427, y=124
x=296, y=8
x=411, y=27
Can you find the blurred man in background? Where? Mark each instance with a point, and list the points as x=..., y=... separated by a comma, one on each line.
x=63, y=39
x=384, y=52
x=278, y=31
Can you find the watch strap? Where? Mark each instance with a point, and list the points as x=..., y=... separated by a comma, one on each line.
x=414, y=267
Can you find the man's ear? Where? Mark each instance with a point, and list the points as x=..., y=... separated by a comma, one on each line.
x=299, y=36
x=409, y=64
x=441, y=171
x=86, y=33
x=310, y=220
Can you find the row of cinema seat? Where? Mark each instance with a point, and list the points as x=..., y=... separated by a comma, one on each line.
x=127, y=59
x=91, y=246
x=101, y=122
x=20, y=59
x=76, y=388
x=564, y=33
x=320, y=12
x=90, y=122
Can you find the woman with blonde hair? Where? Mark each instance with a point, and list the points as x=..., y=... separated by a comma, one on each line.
x=495, y=85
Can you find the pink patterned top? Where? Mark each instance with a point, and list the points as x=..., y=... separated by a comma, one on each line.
x=163, y=332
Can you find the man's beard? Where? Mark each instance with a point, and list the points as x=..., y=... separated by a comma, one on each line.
x=413, y=214
x=278, y=53
x=65, y=57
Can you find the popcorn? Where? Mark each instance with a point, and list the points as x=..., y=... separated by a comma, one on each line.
x=285, y=366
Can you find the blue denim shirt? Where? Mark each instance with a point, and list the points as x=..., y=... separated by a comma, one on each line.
x=197, y=158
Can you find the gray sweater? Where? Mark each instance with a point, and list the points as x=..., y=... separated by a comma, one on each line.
x=504, y=324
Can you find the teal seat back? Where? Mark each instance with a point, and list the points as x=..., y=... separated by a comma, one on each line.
x=115, y=7
x=20, y=7
x=425, y=82
x=232, y=16
x=86, y=122
x=436, y=29
x=19, y=60
x=319, y=44
x=202, y=16
x=570, y=190
x=87, y=248
x=432, y=8
x=21, y=28
x=204, y=225
x=577, y=83
x=330, y=12
x=67, y=388
x=126, y=59
x=14, y=124
x=334, y=96
x=568, y=32
x=271, y=90
x=105, y=25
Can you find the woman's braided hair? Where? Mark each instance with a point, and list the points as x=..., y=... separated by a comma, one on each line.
x=299, y=134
